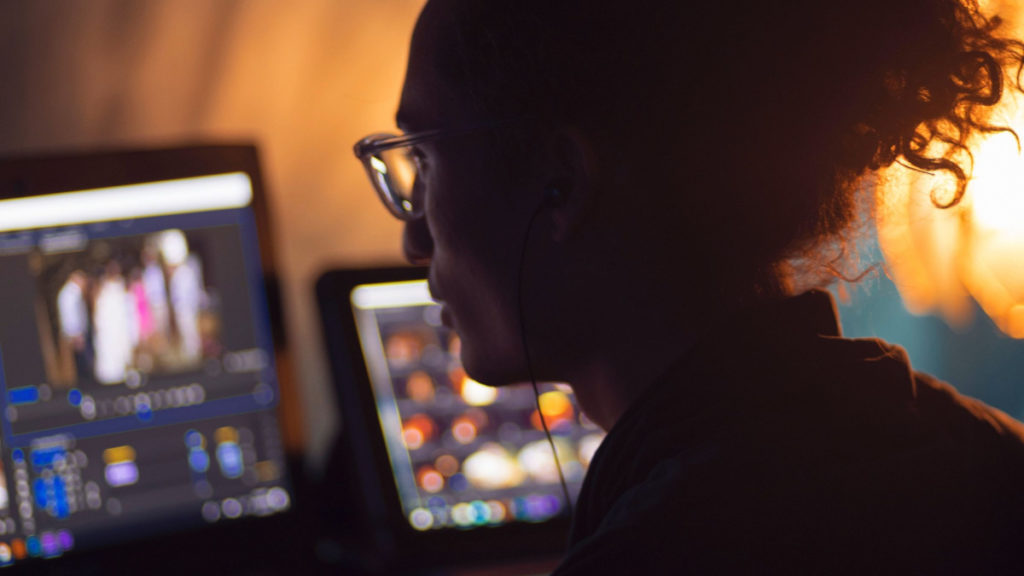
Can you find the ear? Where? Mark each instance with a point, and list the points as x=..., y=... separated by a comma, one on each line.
x=569, y=191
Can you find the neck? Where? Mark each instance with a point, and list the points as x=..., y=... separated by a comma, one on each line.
x=619, y=370
x=606, y=389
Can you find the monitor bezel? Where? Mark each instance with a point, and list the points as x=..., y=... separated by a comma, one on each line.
x=389, y=537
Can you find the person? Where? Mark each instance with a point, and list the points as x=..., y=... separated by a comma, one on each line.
x=73, y=316
x=154, y=283
x=644, y=199
x=112, y=322
x=186, y=291
x=144, y=327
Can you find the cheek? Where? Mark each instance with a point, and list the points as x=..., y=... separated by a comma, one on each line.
x=455, y=215
x=475, y=268
x=470, y=268
x=476, y=239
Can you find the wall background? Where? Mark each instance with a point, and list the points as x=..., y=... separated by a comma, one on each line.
x=303, y=79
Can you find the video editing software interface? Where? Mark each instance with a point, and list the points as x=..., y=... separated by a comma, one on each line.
x=462, y=454
x=137, y=379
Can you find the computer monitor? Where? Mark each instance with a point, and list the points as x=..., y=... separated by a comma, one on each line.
x=138, y=386
x=450, y=468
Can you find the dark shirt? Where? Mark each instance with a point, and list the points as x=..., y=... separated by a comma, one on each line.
x=776, y=445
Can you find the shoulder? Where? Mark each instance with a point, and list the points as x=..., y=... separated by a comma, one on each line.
x=966, y=418
x=852, y=455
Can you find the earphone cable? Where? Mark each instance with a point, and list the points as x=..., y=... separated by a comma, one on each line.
x=529, y=363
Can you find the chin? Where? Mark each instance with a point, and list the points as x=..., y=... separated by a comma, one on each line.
x=489, y=369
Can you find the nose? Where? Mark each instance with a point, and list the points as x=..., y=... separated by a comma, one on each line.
x=417, y=243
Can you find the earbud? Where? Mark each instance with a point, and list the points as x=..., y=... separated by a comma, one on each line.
x=554, y=195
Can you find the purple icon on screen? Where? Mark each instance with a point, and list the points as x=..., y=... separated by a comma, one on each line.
x=50, y=544
x=67, y=541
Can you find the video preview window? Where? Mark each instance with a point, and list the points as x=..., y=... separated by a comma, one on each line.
x=126, y=307
x=104, y=326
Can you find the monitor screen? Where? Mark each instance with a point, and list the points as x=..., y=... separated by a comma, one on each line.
x=137, y=378
x=462, y=454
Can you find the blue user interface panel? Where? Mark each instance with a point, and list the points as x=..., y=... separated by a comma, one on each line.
x=137, y=385
x=463, y=455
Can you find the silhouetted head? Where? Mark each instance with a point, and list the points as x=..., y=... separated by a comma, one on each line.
x=699, y=149
x=112, y=269
x=79, y=277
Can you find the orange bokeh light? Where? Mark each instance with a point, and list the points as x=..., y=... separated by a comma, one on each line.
x=430, y=480
x=420, y=387
x=447, y=465
x=556, y=407
x=464, y=430
x=417, y=430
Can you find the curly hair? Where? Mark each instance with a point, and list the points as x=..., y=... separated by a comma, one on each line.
x=776, y=109
x=943, y=104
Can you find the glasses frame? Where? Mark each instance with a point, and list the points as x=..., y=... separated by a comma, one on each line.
x=368, y=147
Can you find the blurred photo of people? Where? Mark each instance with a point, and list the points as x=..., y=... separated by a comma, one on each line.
x=127, y=306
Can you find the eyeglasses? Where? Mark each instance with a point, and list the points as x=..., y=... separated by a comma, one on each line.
x=393, y=166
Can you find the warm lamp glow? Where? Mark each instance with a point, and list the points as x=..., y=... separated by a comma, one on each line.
x=998, y=185
x=921, y=244
x=1015, y=321
x=939, y=258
